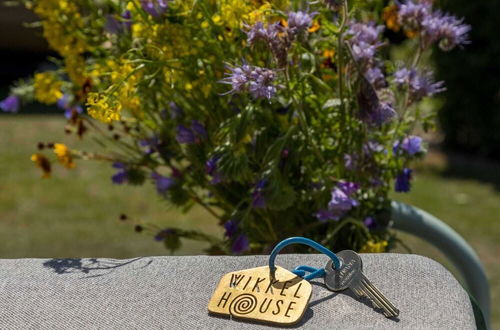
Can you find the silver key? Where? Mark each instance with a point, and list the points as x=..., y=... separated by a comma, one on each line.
x=350, y=276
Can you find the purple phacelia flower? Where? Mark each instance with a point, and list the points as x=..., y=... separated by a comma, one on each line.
x=403, y=181
x=382, y=114
x=163, y=184
x=376, y=77
x=258, y=199
x=185, y=135
x=70, y=110
x=266, y=34
x=198, y=129
x=433, y=26
x=118, y=26
x=231, y=228
x=11, y=103
x=370, y=222
x=211, y=169
x=240, y=244
x=191, y=135
x=73, y=111
x=420, y=85
x=275, y=36
x=364, y=39
x=371, y=110
x=412, y=14
x=155, y=8
x=259, y=82
x=121, y=176
x=452, y=32
x=150, y=144
x=411, y=144
x=300, y=21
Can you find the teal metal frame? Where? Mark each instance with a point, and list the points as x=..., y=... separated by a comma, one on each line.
x=426, y=226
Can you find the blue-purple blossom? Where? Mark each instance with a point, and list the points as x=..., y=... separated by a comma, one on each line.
x=376, y=77
x=403, y=181
x=434, y=26
x=411, y=144
x=370, y=222
x=198, y=129
x=163, y=184
x=121, y=176
x=155, y=8
x=70, y=110
x=185, y=135
x=118, y=26
x=260, y=32
x=365, y=39
x=231, y=228
x=194, y=134
x=420, y=85
x=164, y=234
x=452, y=32
x=10, y=104
x=412, y=14
x=341, y=201
x=382, y=114
x=275, y=36
x=211, y=169
x=300, y=21
x=259, y=82
x=151, y=144
x=348, y=187
x=258, y=200
x=240, y=244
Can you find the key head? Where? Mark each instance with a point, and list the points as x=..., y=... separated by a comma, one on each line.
x=340, y=279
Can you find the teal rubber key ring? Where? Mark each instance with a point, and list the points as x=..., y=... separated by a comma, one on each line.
x=300, y=270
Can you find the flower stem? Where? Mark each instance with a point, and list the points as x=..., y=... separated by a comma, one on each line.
x=340, y=61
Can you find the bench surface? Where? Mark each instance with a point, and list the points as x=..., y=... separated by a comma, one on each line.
x=173, y=293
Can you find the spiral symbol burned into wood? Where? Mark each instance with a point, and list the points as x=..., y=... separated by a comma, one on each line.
x=243, y=304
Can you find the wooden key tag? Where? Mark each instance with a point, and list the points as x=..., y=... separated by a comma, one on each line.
x=255, y=294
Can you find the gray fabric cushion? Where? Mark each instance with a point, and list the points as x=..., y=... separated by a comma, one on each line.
x=173, y=293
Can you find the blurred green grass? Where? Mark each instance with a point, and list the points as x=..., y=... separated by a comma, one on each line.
x=75, y=213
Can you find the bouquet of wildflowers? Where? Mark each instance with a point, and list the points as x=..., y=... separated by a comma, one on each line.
x=280, y=118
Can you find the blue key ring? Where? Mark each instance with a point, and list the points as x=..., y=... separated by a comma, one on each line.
x=300, y=271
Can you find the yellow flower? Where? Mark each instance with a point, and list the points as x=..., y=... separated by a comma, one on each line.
x=47, y=88
x=64, y=155
x=374, y=247
x=329, y=53
x=390, y=17
x=315, y=26
x=61, y=21
x=102, y=108
x=43, y=163
x=75, y=68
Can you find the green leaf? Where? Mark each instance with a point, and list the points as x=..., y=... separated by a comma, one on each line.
x=331, y=103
